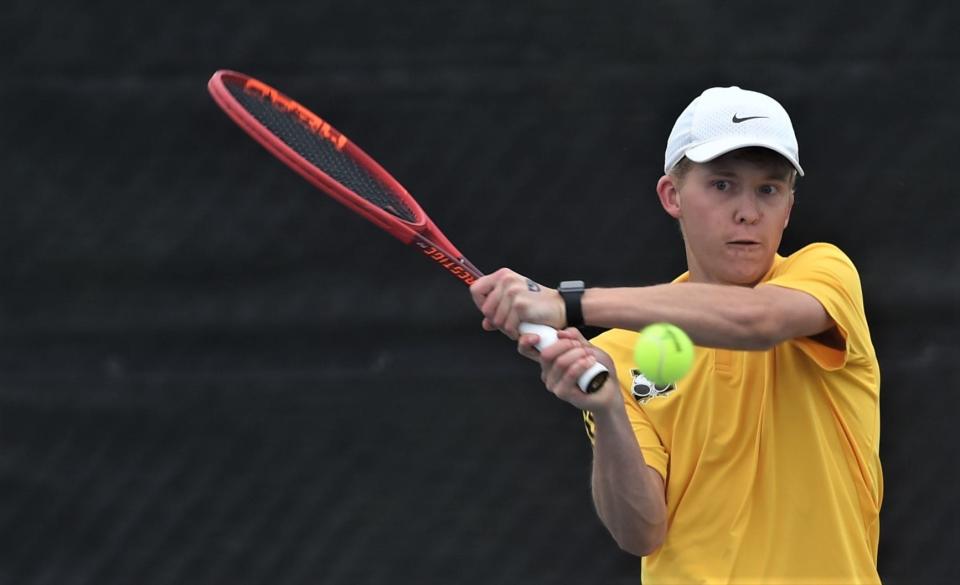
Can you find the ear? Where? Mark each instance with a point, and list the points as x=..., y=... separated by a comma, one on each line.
x=669, y=193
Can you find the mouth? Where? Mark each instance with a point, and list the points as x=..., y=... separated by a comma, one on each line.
x=744, y=247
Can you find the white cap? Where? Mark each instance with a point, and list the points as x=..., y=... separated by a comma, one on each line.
x=723, y=119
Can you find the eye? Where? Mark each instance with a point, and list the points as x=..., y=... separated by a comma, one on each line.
x=768, y=190
x=721, y=185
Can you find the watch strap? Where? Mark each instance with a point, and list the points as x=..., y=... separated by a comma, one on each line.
x=572, y=293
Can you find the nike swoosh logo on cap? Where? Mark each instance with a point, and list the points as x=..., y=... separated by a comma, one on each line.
x=737, y=120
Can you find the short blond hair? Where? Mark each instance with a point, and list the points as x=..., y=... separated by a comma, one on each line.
x=754, y=154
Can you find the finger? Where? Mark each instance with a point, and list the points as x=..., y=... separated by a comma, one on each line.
x=571, y=333
x=572, y=372
x=490, y=306
x=527, y=346
x=504, y=310
x=482, y=287
x=568, y=389
x=479, y=292
x=562, y=364
x=560, y=347
x=512, y=323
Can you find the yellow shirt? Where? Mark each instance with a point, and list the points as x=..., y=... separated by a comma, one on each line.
x=770, y=457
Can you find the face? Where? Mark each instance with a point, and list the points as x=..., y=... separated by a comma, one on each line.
x=732, y=213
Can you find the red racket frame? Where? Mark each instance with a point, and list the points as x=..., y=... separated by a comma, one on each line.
x=422, y=233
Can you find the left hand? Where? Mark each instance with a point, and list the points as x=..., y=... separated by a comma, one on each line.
x=506, y=299
x=565, y=361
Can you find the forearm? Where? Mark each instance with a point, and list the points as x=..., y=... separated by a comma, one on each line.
x=712, y=315
x=629, y=496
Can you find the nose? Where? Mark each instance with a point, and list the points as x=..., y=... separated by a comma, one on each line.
x=747, y=210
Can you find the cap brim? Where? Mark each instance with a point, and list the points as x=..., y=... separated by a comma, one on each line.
x=711, y=150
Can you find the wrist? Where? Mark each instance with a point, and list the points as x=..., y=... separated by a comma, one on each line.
x=611, y=412
x=571, y=291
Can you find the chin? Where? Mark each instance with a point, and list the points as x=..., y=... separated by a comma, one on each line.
x=745, y=278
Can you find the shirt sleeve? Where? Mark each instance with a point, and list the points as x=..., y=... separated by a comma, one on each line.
x=826, y=273
x=619, y=345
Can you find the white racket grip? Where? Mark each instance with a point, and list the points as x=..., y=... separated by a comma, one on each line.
x=589, y=381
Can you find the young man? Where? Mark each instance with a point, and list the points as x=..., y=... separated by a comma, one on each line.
x=761, y=465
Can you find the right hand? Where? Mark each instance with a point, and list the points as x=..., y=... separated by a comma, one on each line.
x=507, y=299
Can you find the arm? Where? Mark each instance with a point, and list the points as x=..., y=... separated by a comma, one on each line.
x=713, y=315
x=629, y=495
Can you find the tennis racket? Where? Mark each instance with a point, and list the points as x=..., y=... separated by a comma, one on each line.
x=327, y=159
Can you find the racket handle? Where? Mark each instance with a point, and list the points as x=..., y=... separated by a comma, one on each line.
x=589, y=381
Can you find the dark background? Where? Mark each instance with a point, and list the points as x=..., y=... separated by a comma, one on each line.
x=209, y=374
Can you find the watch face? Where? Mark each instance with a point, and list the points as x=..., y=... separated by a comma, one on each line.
x=571, y=285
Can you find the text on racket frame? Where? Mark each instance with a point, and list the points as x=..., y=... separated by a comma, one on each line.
x=313, y=122
x=453, y=267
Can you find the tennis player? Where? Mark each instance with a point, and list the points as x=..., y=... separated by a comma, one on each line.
x=761, y=465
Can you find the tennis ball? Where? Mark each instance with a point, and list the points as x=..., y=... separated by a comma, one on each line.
x=663, y=353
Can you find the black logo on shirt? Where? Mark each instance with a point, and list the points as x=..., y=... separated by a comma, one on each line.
x=643, y=389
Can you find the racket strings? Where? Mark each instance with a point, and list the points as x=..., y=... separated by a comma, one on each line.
x=321, y=153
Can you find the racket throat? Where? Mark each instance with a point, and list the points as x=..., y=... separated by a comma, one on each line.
x=461, y=268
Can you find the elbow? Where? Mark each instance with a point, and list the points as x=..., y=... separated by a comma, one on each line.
x=760, y=327
x=642, y=542
x=642, y=534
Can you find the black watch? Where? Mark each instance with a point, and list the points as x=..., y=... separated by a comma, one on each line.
x=572, y=291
